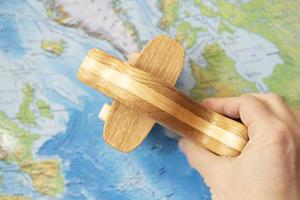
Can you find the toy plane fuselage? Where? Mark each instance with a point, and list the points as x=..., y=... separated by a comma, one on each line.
x=144, y=93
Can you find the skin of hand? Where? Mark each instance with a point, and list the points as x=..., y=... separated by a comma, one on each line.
x=269, y=165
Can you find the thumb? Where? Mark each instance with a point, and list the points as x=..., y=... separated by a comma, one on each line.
x=209, y=165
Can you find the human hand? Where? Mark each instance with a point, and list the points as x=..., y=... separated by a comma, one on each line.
x=269, y=165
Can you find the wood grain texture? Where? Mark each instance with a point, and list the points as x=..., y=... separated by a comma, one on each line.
x=125, y=128
x=156, y=99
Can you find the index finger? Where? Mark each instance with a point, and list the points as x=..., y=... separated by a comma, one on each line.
x=247, y=107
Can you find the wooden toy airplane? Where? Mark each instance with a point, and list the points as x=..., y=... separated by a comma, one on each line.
x=144, y=94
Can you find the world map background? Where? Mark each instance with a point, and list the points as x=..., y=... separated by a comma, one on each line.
x=51, y=143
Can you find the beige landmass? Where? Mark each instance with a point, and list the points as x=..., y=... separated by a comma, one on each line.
x=54, y=47
x=9, y=197
x=46, y=176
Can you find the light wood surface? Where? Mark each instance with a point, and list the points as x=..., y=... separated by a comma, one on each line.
x=125, y=128
x=154, y=98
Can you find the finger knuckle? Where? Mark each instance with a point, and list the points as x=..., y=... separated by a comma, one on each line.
x=274, y=96
x=247, y=95
x=249, y=100
x=282, y=134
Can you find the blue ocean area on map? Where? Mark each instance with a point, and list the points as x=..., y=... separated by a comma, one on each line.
x=97, y=169
x=48, y=113
x=9, y=36
x=91, y=168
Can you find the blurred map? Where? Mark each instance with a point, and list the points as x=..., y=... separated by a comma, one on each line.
x=51, y=143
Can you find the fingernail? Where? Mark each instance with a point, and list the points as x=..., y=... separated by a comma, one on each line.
x=181, y=145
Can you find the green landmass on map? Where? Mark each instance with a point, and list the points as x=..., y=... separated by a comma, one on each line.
x=20, y=141
x=54, y=47
x=25, y=114
x=170, y=10
x=219, y=78
x=16, y=147
x=185, y=33
x=44, y=109
x=223, y=27
x=1, y=181
x=278, y=22
x=204, y=9
x=187, y=13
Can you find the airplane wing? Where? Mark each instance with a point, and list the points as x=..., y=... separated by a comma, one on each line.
x=124, y=128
